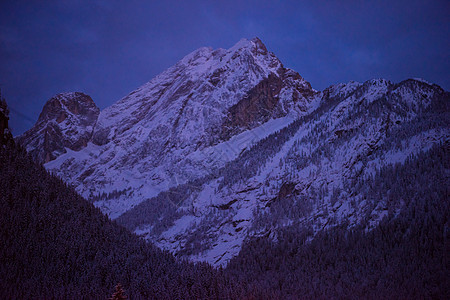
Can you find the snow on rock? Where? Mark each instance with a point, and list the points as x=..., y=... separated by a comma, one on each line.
x=229, y=143
x=336, y=145
x=169, y=130
x=66, y=121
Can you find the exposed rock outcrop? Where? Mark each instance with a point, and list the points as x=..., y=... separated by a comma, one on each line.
x=66, y=121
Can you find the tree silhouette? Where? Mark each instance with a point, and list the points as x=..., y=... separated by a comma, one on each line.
x=119, y=294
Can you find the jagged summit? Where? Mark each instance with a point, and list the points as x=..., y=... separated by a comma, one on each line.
x=254, y=45
x=206, y=59
x=200, y=89
x=66, y=121
x=67, y=104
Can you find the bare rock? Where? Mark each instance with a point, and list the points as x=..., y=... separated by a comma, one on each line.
x=66, y=121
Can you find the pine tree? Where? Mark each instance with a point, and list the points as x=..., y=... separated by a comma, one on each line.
x=119, y=294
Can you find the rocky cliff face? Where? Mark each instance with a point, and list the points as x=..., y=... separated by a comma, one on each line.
x=192, y=100
x=66, y=122
x=262, y=102
x=229, y=143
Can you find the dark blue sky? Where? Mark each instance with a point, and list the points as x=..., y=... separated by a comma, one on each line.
x=108, y=48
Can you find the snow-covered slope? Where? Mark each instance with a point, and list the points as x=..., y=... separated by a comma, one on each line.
x=174, y=128
x=307, y=173
x=230, y=143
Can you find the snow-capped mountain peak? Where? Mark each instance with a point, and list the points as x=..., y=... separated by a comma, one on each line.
x=229, y=143
x=161, y=134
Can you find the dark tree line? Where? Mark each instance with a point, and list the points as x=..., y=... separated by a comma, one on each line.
x=55, y=244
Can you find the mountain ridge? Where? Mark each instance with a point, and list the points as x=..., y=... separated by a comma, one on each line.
x=197, y=158
x=56, y=244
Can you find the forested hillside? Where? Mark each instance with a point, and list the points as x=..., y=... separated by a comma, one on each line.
x=57, y=245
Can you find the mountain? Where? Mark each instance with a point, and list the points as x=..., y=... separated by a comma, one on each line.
x=229, y=144
x=173, y=128
x=55, y=244
x=66, y=121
